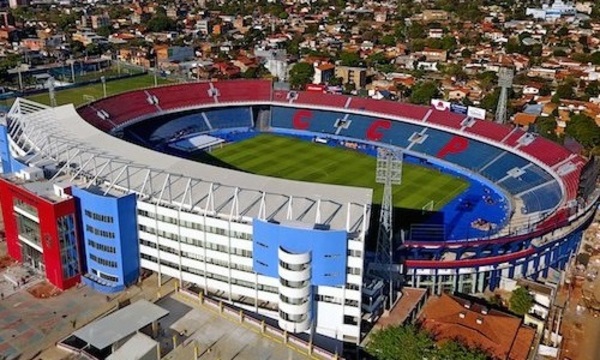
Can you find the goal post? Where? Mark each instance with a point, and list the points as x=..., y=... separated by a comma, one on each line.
x=428, y=206
x=88, y=98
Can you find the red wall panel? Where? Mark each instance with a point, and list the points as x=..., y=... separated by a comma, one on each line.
x=48, y=213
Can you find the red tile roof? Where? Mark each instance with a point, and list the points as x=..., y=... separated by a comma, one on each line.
x=501, y=334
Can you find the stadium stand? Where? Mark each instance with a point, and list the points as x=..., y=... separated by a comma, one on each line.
x=182, y=95
x=501, y=165
x=489, y=130
x=137, y=105
x=530, y=177
x=486, y=159
x=188, y=124
x=244, y=90
x=512, y=138
x=392, y=108
x=313, y=98
x=446, y=118
x=546, y=151
x=171, y=97
x=238, y=117
x=512, y=172
x=542, y=198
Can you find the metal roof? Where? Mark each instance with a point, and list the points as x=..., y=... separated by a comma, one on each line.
x=135, y=348
x=120, y=324
x=117, y=166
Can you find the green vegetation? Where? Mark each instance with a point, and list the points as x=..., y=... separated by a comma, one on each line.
x=411, y=343
x=75, y=95
x=422, y=93
x=521, y=301
x=295, y=159
x=301, y=74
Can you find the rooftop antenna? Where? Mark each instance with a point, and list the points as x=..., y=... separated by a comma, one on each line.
x=505, y=81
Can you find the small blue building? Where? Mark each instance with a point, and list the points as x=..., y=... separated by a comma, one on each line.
x=109, y=239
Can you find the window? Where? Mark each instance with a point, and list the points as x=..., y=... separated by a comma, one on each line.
x=28, y=229
x=25, y=207
x=103, y=262
x=353, y=271
x=105, y=234
x=101, y=247
x=350, y=320
x=108, y=277
x=99, y=217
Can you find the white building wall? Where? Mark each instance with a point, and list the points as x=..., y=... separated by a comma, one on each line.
x=216, y=255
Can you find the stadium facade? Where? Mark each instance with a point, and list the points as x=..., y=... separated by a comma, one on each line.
x=83, y=204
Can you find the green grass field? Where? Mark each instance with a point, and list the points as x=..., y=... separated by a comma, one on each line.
x=75, y=95
x=295, y=159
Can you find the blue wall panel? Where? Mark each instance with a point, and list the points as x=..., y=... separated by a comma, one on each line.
x=111, y=224
x=4, y=151
x=328, y=249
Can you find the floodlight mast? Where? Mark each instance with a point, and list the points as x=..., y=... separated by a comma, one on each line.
x=388, y=173
x=52, y=92
x=505, y=81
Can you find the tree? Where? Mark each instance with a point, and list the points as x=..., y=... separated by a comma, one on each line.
x=546, y=127
x=563, y=31
x=456, y=351
x=466, y=53
x=583, y=129
x=104, y=31
x=400, y=343
x=423, y=92
x=595, y=58
x=563, y=91
x=520, y=301
x=349, y=59
x=490, y=101
x=388, y=40
x=161, y=22
x=448, y=43
x=593, y=89
x=301, y=74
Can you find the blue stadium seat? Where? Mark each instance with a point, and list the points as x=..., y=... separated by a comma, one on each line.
x=188, y=124
x=541, y=199
x=532, y=177
x=230, y=118
x=499, y=166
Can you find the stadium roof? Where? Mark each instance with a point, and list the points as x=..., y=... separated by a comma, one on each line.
x=120, y=324
x=101, y=159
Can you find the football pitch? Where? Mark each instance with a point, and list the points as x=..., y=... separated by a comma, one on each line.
x=295, y=159
x=76, y=95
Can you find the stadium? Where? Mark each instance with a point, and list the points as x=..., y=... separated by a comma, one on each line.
x=266, y=198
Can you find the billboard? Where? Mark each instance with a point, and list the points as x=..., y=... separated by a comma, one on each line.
x=315, y=88
x=459, y=109
x=439, y=104
x=476, y=113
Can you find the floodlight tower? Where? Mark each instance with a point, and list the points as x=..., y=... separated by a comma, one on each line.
x=388, y=173
x=51, y=92
x=505, y=81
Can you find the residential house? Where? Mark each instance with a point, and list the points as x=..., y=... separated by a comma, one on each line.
x=352, y=75
x=458, y=93
x=433, y=54
x=323, y=73
x=501, y=334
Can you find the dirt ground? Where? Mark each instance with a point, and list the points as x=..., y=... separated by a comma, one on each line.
x=5, y=261
x=581, y=324
x=44, y=290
